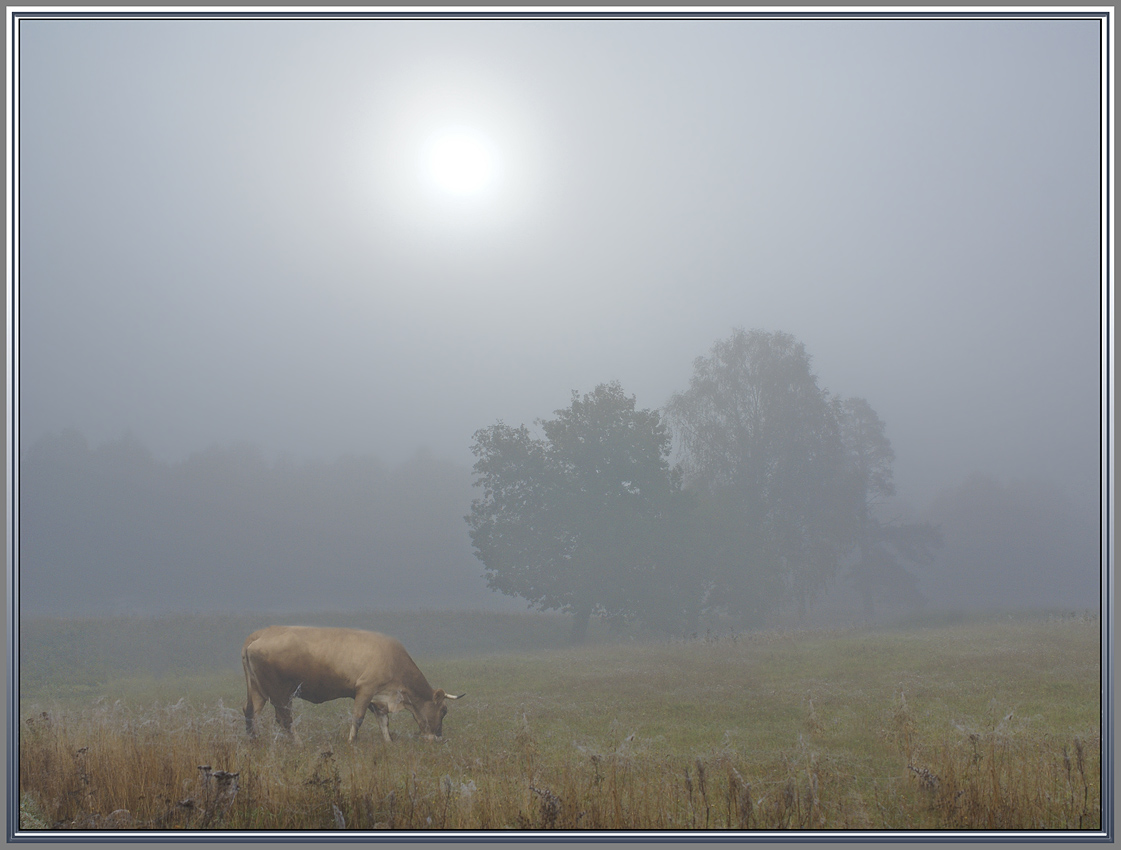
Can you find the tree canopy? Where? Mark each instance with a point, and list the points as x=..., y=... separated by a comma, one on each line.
x=761, y=444
x=884, y=547
x=572, y=520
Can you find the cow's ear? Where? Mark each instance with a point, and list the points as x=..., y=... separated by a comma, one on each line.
x=438, y=695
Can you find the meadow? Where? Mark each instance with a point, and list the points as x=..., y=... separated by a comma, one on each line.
x=981, y=724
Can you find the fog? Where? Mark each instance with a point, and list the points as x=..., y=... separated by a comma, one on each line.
x=225, y=239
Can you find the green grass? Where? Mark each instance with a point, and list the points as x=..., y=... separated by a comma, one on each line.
x=982, y=724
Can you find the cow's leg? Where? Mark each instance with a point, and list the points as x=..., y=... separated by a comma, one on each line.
x=254, y=704
x=382, y=716
x=284, y=716
x=361, y=702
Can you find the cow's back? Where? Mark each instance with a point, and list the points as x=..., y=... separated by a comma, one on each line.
x=323, y=663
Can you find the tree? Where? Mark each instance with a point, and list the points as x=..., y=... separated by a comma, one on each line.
x=883, y=548
x=573, y=521
x=761, y=446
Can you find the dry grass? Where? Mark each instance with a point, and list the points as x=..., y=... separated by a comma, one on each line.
x=990, y=726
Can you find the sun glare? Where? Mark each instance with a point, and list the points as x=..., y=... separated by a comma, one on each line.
x=459, y=162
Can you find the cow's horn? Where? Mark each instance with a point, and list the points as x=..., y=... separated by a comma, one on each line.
x=454, y=696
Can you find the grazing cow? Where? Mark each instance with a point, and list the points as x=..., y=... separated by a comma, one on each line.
x=283, y=662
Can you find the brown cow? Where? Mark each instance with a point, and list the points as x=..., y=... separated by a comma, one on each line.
x=284, y=662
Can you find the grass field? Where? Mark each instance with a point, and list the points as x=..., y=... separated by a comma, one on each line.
x=985, y=724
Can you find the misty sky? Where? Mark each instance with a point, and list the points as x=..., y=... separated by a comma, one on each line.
x=226, y=234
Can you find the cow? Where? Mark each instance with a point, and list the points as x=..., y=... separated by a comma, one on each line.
x=320, y=664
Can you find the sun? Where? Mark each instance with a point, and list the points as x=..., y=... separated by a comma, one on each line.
x=459, y=161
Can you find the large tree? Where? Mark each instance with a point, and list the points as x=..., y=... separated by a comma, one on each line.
x=575, y=520
x=884, y=547
x=761, y=446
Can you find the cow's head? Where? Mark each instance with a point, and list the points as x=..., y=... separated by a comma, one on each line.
x=430, y=714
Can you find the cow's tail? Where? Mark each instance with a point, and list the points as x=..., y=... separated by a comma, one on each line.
x=253, y=694
x=246, y=665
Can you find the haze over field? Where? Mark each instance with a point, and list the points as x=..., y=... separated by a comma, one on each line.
x=333, y=240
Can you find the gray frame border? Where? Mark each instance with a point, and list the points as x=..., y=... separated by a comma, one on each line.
x=1106, y=611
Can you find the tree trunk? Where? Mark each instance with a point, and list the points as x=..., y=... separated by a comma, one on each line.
x=865, y=584
x=581, y=616
x=869, y=602
x=692, y=620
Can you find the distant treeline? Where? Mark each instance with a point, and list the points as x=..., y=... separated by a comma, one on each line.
x=783, y=505
x=1020, y=544
x=111, y=529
